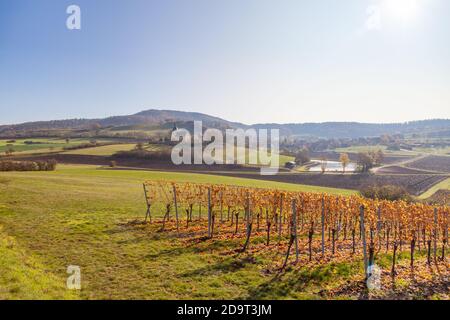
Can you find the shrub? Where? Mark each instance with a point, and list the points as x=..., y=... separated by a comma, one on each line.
x=386, y=192
x=143, y=154
x=302, y=157
x=82, y=146
x=49, y=165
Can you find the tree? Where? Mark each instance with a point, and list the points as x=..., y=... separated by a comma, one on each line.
x=379, y=157
x=67, y=140
x=140, y=146
x=365, y=161
x=323, y=164
x=302, y=157
x=96, y=128
x=9, y=149
x=386, y=139
x=345, y=160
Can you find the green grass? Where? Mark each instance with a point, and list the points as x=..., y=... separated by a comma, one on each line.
x=103, y=150
x=45, y=145
x=138, y=176
x=242, y=155
x=415, y=151
x=356, y=149
x=23, y=277
x=435, y=151
x=77, y=216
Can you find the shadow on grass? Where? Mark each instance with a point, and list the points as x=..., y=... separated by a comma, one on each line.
x=195, y=248
x=229, y=265
x=305, y=283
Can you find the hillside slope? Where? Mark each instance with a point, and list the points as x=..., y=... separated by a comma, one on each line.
x=157, y=119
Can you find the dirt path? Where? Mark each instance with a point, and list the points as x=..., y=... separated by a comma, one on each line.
x=399, y=164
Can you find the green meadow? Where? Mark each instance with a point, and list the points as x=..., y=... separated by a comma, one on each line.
x=42, y=145
x=91, y=217
x=79, y=215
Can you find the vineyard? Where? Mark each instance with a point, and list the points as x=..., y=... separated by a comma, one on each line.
x=315, y=226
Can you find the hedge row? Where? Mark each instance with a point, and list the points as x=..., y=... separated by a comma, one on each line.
x=8, y=165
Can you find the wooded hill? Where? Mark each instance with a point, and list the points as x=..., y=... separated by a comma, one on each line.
x=163, y=119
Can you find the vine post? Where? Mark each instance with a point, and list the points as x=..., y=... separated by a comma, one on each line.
x=435, y=233
x=294, y=228
x=209, y=213
x=221, y=206
x=148, y=213
x=379, y=227
x=363, y=235
x=176, y=206
x=323, y=225
x=280, y=219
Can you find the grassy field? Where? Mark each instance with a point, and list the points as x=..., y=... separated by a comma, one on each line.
x=88, y=216
x=43, y=145
x=23, y=277
x=77, y=216
x=434, y=151
x=415, y=151
x=108, y=150
x=242, y=155
x=356, y=149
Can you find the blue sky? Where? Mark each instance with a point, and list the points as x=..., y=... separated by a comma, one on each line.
x=251, y=61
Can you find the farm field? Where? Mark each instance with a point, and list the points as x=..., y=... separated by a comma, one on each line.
x=415, y=184
x=356, y=149
x=434, y=151
x=43, y=145
x=434, y=163
x=77, y=215
x=444, y=185
x=401, y=170
x=414, y=151
x=23, y=277
x=89, y=216
x=108, y=150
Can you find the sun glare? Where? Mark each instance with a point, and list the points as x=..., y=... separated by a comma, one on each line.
x=404, y=10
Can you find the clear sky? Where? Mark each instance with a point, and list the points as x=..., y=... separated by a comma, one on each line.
x=251, y=61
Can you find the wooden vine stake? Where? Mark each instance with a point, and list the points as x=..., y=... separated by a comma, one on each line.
x=363, y=235
x=379, y=228
x=148, y=213
x=249, y=223
x=293, y=236
x=280, y=224
x=435, y=235
x=221, y=206
x=209, y=213
x=176, y=207
x=294, y=228
x=323, y=225
x=445, y=237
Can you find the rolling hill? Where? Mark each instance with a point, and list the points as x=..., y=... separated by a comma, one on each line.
x=154, y=119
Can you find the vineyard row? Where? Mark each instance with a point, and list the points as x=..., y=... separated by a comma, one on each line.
x=328, y=223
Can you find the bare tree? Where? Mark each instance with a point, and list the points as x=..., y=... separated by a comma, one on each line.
x=302, y=157
x=345, y=160
x=323, y=164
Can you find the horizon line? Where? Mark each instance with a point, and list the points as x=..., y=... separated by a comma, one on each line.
x=223, y=119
